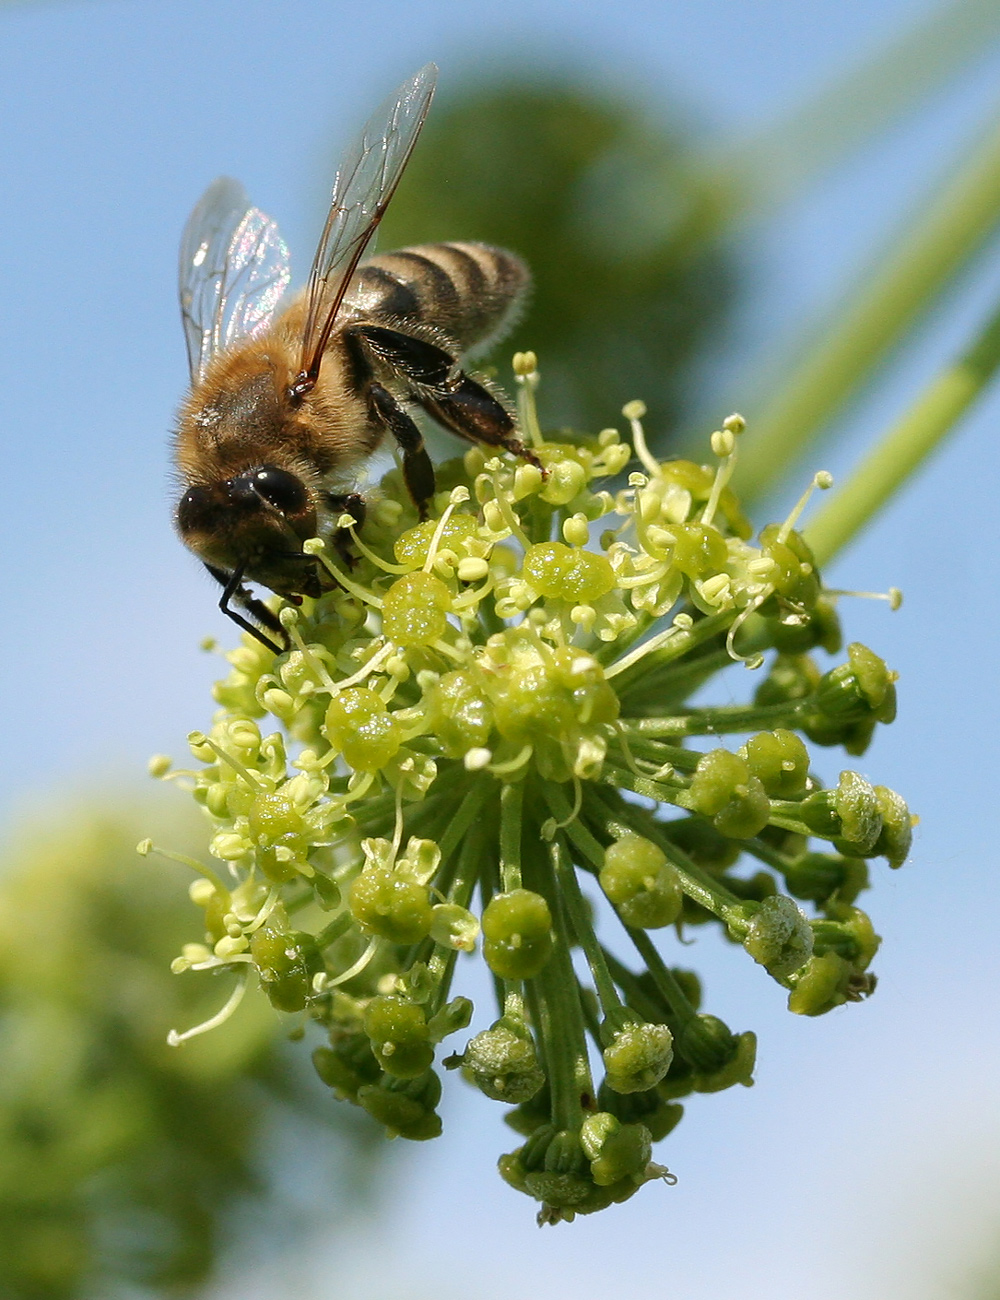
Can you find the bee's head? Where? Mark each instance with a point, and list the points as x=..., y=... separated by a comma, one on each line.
x=256, y=520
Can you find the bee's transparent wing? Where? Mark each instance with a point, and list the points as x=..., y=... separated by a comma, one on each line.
x=234, y=267
x=364, y=185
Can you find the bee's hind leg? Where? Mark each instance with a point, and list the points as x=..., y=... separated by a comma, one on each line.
x=444, y=391
x=233, y=589
x=418, y=471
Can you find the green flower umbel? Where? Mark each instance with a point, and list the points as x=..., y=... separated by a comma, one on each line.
x=483, y=736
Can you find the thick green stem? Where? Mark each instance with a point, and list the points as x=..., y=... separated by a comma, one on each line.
x=442, y=961
x=468, y=811
x=582, y=926
x=636, y=996
x=715, y=720
x=332, y=932
x=663, y=977
x=935, y=412
x=511, y=813
x=919, y=266
x=555, y=995
x=660, y=791
x=657, y=692
x=656, y=751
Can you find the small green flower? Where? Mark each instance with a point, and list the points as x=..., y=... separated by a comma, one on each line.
x=495, y=721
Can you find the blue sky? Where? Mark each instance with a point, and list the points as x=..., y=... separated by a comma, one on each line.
x=869, y=1151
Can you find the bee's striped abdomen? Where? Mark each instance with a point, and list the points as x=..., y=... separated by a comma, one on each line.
x=471, y=292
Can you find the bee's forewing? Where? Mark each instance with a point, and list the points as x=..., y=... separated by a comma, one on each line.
x=234, y=268
x=364, y=185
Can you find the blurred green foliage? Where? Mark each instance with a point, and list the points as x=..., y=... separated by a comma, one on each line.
x=604, y=202
x=124, y=1161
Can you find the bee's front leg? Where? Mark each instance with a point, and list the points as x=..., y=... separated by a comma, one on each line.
x=233, y=589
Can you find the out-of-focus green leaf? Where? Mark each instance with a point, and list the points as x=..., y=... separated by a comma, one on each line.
x=123, y=1160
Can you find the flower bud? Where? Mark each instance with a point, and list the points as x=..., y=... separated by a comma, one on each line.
x=859, y=689
x=564, y=1154
x=615, y=1150
x=706, y=1043
x=650, y=1109
x=794, y=576
x=501, y=1062
x=385, y=904
x=723, y=789
x=852, y=937
x=399, y=1036
x=347, y=1065
x=857, y=806
x=637, y=1057
x=702, y=843
x=779, y=760
x=820, y=985
x=286, y=962
x=641, y=883
x=896, y=835
x=793, y=631
x=360, y=726
x=818, y=813
x=406, y=1112
x=739, y=1068
x=517, y=934
x=792, y=678
x=779, y=936
x=819, y=876
x=565, y=1192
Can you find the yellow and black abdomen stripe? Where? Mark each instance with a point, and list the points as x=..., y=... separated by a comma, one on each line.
x=472, y=292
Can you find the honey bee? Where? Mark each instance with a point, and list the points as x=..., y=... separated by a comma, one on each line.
x=284, y=404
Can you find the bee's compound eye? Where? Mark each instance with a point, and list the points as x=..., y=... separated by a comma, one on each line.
x=194, y=509
x=285, y=491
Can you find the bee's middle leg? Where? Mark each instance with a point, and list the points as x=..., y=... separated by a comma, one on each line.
x=418, y=471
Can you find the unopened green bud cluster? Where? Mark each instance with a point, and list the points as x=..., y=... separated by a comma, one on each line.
x=483, y=737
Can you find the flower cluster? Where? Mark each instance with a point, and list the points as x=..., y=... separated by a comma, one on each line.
x=484, y=730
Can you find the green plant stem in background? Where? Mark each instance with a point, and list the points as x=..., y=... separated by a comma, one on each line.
x=761, y=173
x=946, y=235
x=905, y=446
